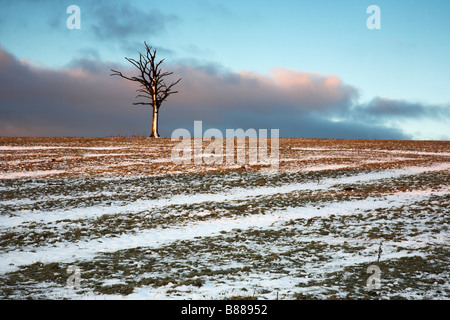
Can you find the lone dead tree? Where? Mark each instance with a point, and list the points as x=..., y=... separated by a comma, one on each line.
x=152, y=84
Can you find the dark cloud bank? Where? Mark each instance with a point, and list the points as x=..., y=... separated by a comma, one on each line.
x=84, y=100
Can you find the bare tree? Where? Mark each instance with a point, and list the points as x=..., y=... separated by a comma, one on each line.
x=152, y=84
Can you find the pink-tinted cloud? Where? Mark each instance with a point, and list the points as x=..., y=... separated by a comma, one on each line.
x=282, y=88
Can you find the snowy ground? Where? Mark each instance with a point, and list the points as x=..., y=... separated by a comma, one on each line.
x=137, y=226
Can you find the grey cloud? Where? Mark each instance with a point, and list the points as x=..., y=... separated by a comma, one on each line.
x=84, y=100
x=117, y=21
x=389, y=108
x=93, y=66
x=290, y=122
x=46, y=102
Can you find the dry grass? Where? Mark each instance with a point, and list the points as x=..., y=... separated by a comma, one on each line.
x=79, y=157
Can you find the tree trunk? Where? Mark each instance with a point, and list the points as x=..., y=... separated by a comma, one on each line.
x=154, y=133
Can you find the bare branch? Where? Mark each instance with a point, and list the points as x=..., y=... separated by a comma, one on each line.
x=143, y=96
x=143, y=103
x=118, y=73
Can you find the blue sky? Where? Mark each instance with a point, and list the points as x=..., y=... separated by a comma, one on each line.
x=406, y=60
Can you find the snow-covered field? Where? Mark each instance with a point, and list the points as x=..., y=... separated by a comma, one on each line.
x=115, y=218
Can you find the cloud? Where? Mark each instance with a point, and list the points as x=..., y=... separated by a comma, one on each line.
x=390, y=108
x=281, y=89
x=123, y=20
x=82, y=99
x=300, y=104
x=72, y=102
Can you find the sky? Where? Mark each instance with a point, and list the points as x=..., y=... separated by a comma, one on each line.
x=311, y=69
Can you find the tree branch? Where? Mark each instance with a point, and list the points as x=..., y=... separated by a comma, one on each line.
x=151, y=78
